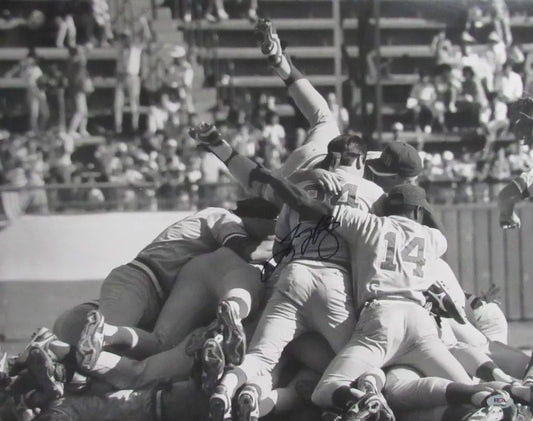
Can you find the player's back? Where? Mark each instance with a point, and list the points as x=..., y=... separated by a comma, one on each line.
x=394, y=255
x=197, y=234
x=317, y=240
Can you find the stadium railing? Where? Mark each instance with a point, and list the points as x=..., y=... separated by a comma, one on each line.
x=99, y=197
x=102, y=197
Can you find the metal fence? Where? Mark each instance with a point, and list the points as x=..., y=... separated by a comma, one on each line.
x=99, y=197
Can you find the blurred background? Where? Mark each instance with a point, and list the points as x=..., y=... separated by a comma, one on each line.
x=96, y=97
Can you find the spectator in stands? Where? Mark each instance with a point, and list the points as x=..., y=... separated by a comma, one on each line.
x=509, y=86
x=217, y=7
x=446, y=87
x=102, y=19
x=496, y=55
x=80, y=85
x=128, y=79
x=180, y=76
x=442, y=48
x=472, y=100
x=339, y=112
x=152, y=72
x=158, y=114
x=31, y=73
x=499, y=13
x=273, y=141
x=56, y=83
x=84, y=21
x=66, y=28
x=422, y=101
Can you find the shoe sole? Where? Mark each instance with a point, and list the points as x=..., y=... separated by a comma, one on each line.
x=198, y=338
x=89, y=348
x=217, y=409
x=42, y=368
x=36, y=342
x=234, y=337
x=486, y=414
x=212, y=365
x=246, y=408
x=264, y=35
x=366, y=413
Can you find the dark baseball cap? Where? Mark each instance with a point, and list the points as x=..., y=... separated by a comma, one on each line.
x=398, y=158
x=407, y=194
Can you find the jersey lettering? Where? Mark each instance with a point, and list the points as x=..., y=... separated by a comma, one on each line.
x=417, y=243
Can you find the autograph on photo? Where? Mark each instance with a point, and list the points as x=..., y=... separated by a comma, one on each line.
x=313, y=236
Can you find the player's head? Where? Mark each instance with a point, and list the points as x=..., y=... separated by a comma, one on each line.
x=258, y=216
x=521, y=120
x=399, y=163
x=407, y=200
x=347, y=150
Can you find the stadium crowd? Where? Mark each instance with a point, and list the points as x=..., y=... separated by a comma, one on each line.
x=325, y=294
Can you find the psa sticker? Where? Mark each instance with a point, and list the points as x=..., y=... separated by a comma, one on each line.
x=499, y=401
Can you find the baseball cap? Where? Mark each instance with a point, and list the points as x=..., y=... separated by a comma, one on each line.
x=344, y=149
x=398, y=158
x=407, y=194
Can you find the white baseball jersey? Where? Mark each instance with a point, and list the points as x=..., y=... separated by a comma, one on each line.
x=197, y=234
x=392, y=254
x=312, y=240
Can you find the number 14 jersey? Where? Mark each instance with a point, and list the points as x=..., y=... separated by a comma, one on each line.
x=390, y=254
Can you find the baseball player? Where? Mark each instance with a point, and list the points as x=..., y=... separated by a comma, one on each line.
x=133, y=294
x=314, y=289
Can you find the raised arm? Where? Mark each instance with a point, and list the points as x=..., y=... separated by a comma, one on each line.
x=254, y=177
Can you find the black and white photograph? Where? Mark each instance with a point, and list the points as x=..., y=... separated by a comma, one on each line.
x=279, y=210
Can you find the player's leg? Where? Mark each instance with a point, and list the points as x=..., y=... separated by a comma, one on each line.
x=478, y=364
x=424, y=350
x=279, y=324
x=128, y=298
x=126, y=373
x=330, y=311
x=377, y=336
x=69, y=325
x=511, y=360
x=308, y=100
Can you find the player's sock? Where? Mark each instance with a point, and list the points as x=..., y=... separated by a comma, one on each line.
x=460, y=393
x=287, y=71
x=233, y=380
x=60, y=349
x=120, y=336
x=486, y=371
x=520, y=394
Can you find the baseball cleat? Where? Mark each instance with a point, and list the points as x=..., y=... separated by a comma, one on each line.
x=443, y=303
x=234, y=337
x=373, y=397
x=48, y=374
x=91, y=341
x=41, y=340
x=220, y=404
x=366, y=408
x=199, y=336
x=330, y=416
x=268, y=40
x=206, y=134
x=213, y=364
x=248, y=404
x=492, y=413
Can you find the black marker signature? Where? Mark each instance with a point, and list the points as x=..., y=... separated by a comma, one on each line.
x=313, y=236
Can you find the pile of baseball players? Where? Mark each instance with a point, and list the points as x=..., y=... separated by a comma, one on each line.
x=323, y=296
